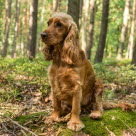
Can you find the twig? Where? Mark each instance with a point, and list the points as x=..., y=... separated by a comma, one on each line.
x=21, y=112
x=110, y=132
x=125, y=125
x=26, y=129
x=23, y=132
x=64, y=119
x=59, y=131
x=27, y=123
x=7, y=129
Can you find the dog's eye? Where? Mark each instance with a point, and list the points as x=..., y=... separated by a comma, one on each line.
x=58, y=24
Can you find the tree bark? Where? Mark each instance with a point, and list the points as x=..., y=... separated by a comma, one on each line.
x=6, y=27
x=84, y=23
x=91, y=29
x=132, y=33
x=74, y=10
x=55, y=5
x=80, y=10
x=26, y=29
x=41, y=24
x=124, y=30
x=33, y=29
x=134, y=55
x=13, y=54
x=134, y=36
x=103, y=33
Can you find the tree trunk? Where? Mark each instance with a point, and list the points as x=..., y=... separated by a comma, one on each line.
x=13, y=54
x=131, y=37
x=134, y=55
x=91, y=29
x=103, y=33
x=80, y=10
x=41, y=24
x=84, y=21
x=134, y=46
x=6, y=27
x=33, y=29
x=124, y=29
x=55, y=5
x=26, y=31
x=74, y=10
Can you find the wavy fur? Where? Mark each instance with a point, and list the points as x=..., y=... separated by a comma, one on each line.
x=72, y=79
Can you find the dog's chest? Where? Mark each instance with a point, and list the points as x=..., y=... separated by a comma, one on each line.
x=64, y=81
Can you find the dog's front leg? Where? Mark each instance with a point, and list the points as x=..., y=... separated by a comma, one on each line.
x=56, y=110
x=75, y=123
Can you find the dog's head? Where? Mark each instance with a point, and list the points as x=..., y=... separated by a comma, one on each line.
x=59, y=27
x=62, y=29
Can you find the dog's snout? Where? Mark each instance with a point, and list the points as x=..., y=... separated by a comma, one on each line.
x=44, y=35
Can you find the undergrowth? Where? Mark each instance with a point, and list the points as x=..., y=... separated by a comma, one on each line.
x=17, y=75
x=119, y=77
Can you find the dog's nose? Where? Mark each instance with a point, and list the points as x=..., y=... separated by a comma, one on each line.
x=44, y=35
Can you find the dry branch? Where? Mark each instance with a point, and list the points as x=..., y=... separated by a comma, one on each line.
x=24, y=128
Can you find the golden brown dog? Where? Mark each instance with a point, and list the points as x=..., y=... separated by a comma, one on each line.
x=71, y=75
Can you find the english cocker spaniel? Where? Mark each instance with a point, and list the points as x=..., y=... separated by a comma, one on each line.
x=72, y=79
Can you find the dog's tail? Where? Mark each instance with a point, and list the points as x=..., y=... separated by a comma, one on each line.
x=123, y=106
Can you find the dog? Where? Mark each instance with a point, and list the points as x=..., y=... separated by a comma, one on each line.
x=71, y=75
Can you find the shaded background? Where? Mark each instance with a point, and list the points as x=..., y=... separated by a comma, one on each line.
x=107, y=28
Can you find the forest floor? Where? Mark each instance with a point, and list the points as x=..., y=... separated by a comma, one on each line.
x=24, y=100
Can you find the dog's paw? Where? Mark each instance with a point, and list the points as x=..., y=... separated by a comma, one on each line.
x=96, y=115
x=75, y=126
x=52, y=118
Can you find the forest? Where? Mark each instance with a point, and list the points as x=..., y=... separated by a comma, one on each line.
x=107, y=31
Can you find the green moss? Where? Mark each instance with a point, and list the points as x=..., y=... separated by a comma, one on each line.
x=114, y=120
x=25, y=118
x=94, y=127
x=66, y=132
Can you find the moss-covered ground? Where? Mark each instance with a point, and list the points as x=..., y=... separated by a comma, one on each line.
x=115, y=121
x=24, y=90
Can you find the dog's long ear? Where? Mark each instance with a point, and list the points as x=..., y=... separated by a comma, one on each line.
x=70, y=50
